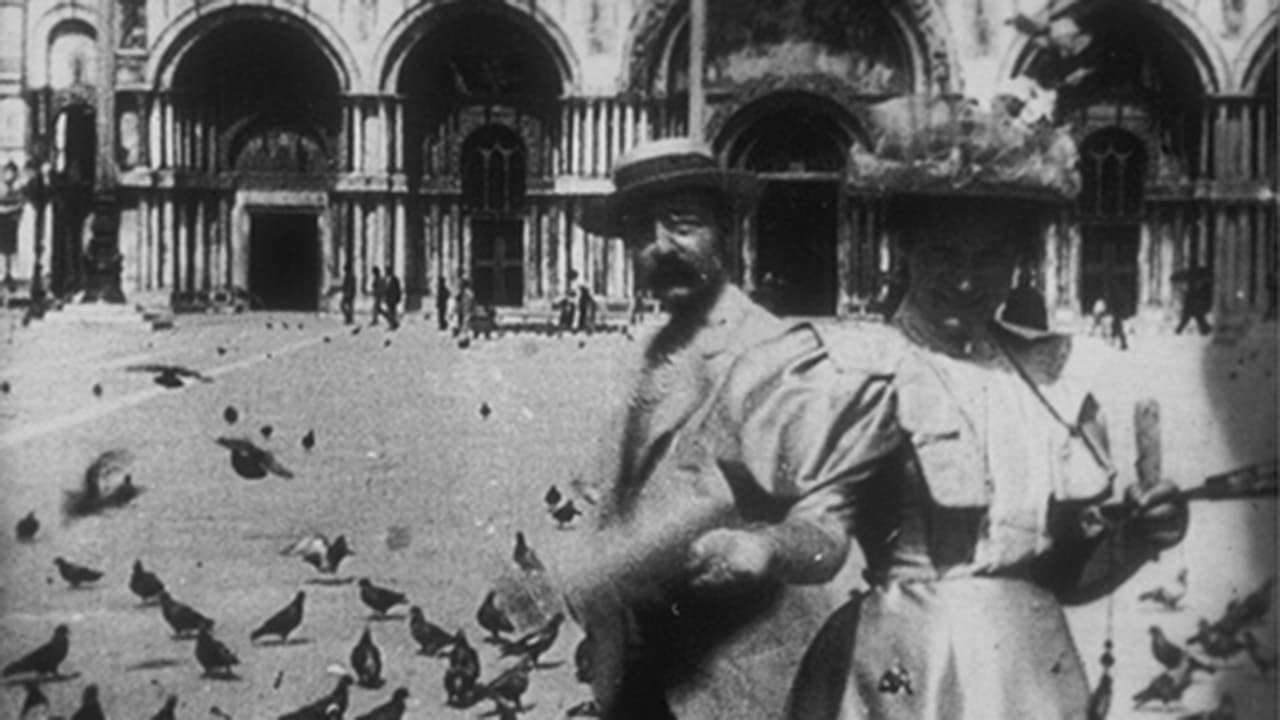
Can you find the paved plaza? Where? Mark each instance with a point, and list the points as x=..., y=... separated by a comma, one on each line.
x=431, y=492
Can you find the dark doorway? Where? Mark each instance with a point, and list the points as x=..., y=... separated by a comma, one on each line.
x=796, y=247
x=1109, y=268
x=497, y=261
x=284, y=261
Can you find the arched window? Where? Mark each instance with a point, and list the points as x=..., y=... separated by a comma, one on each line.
x=1113, y=166
x=493, y=171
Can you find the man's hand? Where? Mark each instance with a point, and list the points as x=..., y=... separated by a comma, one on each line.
x=725, y=558
x=1159, y=511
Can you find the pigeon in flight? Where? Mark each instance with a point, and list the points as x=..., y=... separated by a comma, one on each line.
x=1169, y=596
x=170, y=376
x=250, y=461
x=283, y=622
x=76, y=575
x=323, y=555
x=45, y=659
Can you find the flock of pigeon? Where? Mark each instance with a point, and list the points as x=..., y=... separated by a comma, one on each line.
x=1219, y=643
x=107, y=484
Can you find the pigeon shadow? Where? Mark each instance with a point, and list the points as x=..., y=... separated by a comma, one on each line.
x=82, y=588
x=548, y=665
x=331, y=582
x=25, y=678
x=497, y=713
x=154, y=664
x=377, y=617
x=222, y=677
x=285, y=643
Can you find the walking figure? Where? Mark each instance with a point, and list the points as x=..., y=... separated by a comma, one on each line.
x=379, y=290
x=348, y=303
x=1197, y=298
x=442, y=304
x=392, y=294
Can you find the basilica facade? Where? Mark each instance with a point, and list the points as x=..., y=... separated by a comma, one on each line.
x=269, y=147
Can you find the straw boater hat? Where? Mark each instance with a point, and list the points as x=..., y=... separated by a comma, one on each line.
x=949, y=146
x=664, y=166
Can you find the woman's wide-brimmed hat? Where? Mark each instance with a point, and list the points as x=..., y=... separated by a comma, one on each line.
x=950, y=146
x=670, y=165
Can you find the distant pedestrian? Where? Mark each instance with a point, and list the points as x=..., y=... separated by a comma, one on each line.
x=348, y=296
x=585, y=310
x=465, y=308
x=1197, y=298
x=1100, y=316
x=379, y=290
x=442, y=304
x=391, y=297
x=636, y=312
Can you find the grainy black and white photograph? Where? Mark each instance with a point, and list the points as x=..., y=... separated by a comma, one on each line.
x=638, y=359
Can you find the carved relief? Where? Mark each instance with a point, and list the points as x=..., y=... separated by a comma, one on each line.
x=133, y=24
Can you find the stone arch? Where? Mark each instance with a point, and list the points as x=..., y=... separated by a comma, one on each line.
x=1258, y=52
x=820, y=93
x=921, y=23
x=38, y=40
x=420, y=20
x=1185, y=28
x=176, y=39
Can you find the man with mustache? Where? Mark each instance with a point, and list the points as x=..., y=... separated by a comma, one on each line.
x=651, y=641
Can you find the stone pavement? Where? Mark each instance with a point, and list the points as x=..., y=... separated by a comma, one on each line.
x=404, y=452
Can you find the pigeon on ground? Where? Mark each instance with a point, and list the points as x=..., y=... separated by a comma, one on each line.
x=5, y=387
x=45, y=659
x=184, y=619
x=1169, y=596
x=144, y=583
x=90, y=708
x=170, y=376
x=266, y=431
x=221, y=350
x=509, y=686
x=283, y=622
x=309, y=440
x=1264, y=658
x=250, y=461
x=1172, y=656
x=533, y=644
x=332, y=705
x=525, y=557
x=485, y=410
x=323, y=555
x=169, y=710
x=463, y=672
x=392, y=709
x=27, y=527
x=230, y=414
x=565, y=514
x=215, y=657
x=431, y=638
x=366, y=661
x=1167, y=687
x=552, y=498
x=75, y=574
x=34, y=699
x=1221, y=646
x=122, y=494
x=491, y=617
x=378, y=598
x=97, y=390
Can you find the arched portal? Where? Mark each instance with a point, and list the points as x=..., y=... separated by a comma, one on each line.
x=74, y=163
x=256, y=102
x=481, y=92
x=797, y=143
x=1112, y=168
